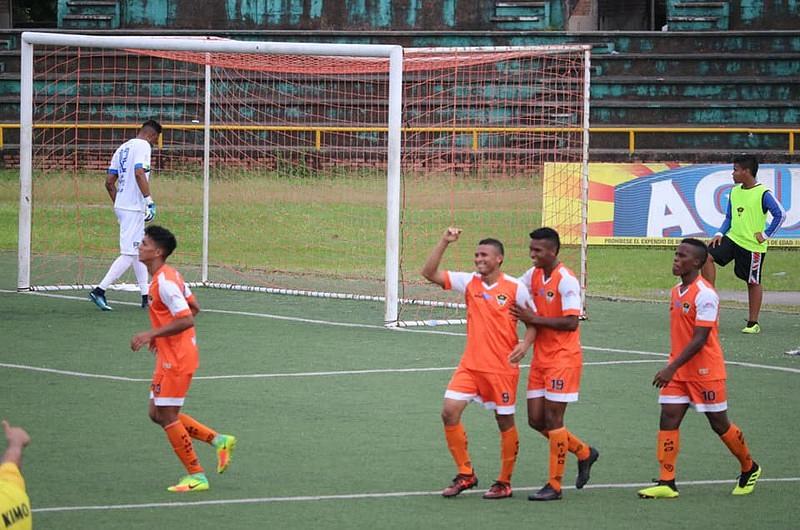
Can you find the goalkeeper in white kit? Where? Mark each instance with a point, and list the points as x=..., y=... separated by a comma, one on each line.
x=128, y=185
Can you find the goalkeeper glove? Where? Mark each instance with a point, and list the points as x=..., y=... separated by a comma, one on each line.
x=151, y=209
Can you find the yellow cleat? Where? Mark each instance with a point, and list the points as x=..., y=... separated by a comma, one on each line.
x=755, y=329
x=660, y=491
x=747, y=481
x=196, y=482
x=225, y=444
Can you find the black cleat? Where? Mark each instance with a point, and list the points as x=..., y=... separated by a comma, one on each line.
x=585, y=466
x=145, y=301
x=547, y=493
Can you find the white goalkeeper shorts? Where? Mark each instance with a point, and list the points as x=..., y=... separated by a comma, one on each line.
x=131, y=231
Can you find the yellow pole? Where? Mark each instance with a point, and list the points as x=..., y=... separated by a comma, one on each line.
x=318, y=139
x=631, y=141
x=791, y=142
x=474, y=140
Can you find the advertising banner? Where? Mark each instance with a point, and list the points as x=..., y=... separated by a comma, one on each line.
x=657, y=204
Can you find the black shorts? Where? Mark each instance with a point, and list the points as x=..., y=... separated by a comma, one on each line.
x=747, y=264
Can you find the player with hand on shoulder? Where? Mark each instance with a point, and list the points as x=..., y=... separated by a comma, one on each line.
x=487, y=373
x=555, y=372
x=128, y=185
x=695, y=374
x=15, y=506
x=172, y=340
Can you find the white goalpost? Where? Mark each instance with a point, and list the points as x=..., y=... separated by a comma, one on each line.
x=324, y=170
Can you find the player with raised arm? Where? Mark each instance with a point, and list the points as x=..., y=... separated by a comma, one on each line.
x=172, y=340
x=15, y=506
x=128, y=185
x=742, y=237
x=695, y=374
x=486, y=373
x=555, y=373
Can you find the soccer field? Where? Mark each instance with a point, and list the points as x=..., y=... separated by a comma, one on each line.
x=338, y=421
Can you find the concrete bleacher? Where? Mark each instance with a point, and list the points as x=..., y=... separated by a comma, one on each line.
x=640, y=79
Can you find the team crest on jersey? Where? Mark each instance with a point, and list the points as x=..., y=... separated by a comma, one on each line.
x=550, y=296
x=740, y=211
x=501, y=300
x=686, y=307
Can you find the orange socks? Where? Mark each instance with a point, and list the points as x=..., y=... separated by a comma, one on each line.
x=197, y=430
x=182, y=445
x=559, y=444
x=575, y=445
x=457, y=443
x=734, y=439
x=509, y=447
x=669, y=444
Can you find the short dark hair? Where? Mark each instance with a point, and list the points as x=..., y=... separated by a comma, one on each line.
x=549, y=234
x=162, y=238
x=153, y=125
x=496, y=243
x=701, y=248
x=747, y=162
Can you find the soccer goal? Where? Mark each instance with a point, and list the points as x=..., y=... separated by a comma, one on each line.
x=312, y=169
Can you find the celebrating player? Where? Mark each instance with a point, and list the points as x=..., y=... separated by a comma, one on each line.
x=695, y=374
x=742, y=237
x=555, y=372
x=485, y=373
x=128, y=185
x=172, y=339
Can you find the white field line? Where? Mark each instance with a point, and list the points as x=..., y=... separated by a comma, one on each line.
x=433, y=332
x=359, y=496
x=287, y=374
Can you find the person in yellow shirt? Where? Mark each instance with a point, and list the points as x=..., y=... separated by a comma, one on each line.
x=15, y=507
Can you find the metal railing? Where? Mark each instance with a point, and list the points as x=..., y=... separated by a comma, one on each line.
x=475, y=132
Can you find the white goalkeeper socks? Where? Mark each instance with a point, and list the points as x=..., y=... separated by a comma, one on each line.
x=140, y=270
x=118, y=268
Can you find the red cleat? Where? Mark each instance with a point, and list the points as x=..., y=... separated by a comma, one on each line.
x=460, y=483
x=499, y=490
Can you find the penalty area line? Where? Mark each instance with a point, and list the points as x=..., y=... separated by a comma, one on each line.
x=361, y=496
x=430, y=332
x=286, y=374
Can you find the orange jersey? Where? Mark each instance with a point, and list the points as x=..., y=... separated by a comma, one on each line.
x=491, y=330
x=697, y=306
x=556, y=296
x=169, y=300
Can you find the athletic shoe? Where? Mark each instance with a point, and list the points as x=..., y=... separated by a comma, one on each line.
x=585, y=466
x=499, y=490
x=460, y=483
x=795, y=351
x=547, y=493
x=145, y=301
x=98, y=296
x=752, y=330
x=225, y=444
x=196, y=482
x=665, y=489
x=747, y=481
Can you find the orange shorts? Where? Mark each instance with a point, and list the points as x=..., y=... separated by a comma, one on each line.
x=704, y=396
x=554, y=383
x=169, y=389
x=497, y=392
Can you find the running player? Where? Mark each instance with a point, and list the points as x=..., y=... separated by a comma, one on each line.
x=695, y=374
x=485, y=373
x=555, y=373
x=172, y=339
x=128, y=185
